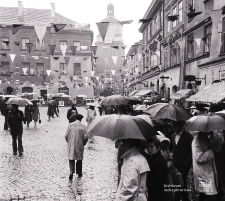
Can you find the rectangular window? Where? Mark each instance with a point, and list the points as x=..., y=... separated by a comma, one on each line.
x=62, y=43
x=175, y=13
x=150, y=30
x=23, y=43
x=63, y=68
x=190, y=47
x=40, y=68
x=161, y=19
x=39, y=46
x=77, y=69
x=26, y=65
x=207, y=39
x=77, y=43
x=180, y=7
x=4, y=45
x=168, y=24
x=191, y=5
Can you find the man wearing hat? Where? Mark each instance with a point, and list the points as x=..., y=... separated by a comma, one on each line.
x=76, y=138
x=15, y=119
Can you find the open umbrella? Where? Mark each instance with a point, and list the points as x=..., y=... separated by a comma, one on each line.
x=134, y=100
x=167, y=111
x=141, y=107
x=18, y=101
x=114, y=100
x=35, y=100
x=117, y=127
x=206, y=122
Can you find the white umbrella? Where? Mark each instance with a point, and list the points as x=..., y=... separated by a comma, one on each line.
x=18, y=101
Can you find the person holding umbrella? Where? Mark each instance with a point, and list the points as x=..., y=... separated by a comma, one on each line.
x=28, y=114
x=15, y=120
x=182, y=155
x=134, y=173
x=35, y=113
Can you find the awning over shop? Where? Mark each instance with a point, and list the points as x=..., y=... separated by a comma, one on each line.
x=181, y=94
x=133, y=92
x=212, y=94
x=146, y=92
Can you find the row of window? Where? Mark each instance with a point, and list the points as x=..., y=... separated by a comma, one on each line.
x=40, y=67
x=39, y=45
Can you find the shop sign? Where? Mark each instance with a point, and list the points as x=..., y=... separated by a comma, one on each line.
x=64, y=90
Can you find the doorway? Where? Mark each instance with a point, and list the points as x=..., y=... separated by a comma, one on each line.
x=9, y=90
x=43, y=94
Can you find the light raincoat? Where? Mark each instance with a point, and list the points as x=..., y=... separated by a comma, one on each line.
x=134, y=172
x=75, y=136
x=204, y=169
x=90, y=115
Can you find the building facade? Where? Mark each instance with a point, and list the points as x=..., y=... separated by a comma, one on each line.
x=35, y=68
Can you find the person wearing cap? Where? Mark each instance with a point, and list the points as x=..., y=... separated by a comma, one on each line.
x=76, y=138
x=15, y=119
x=69, y=112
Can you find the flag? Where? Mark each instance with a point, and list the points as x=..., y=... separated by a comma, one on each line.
x=58, y=27
x=94, y=49
x=172, y=17
x=73, y=49
x=97, y=78
x=146, y=20
x=52, y=49
x=40, y=31
x=6, y=42
x=198, y=41
x=35, y=57
x=3, y=54
x=31, y=71
x=126, y=22
x=56, y=58
x=103, y=27
x=12, y=56
x=92, y=73
x=67, y=59
x=63, y=49
x=17, y=43
x=24, y=71
x=16, y=27
x=71, y=78
x=48, y=72
x=113, y=72
x=114, y=58
x=29, y=47
x=83, y=47
x=115, y=47
x=192, y=15
x=86, y=79
x=74, y=77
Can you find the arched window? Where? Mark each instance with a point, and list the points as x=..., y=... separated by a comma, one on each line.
x=174, y=89
x=27, y=90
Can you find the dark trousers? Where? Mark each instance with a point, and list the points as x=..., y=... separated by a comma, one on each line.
x=54, y=111
x=78, y=166
x=6, y=123
x=184, y=172
x=14, y=143
x=204, y=197
x=57, y=108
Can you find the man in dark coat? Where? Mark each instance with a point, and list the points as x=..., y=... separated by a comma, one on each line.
x=158, y=177
x=56, y=108
x=182, y=155
x=69, y=112
x=5, y=112
x=15, y=119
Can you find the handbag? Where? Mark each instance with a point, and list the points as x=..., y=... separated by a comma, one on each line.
x=39, y=121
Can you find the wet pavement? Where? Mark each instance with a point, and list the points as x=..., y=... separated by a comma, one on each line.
x=42, y=173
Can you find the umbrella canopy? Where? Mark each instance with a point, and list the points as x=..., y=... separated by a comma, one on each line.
x=8, y=96
x=146, y=118
x=134, y=100
x=206, y=122
x=114, y=100
x=35, y=100
x=117, y=127
x=18, y=101
x=141, y=107
x=167, y=111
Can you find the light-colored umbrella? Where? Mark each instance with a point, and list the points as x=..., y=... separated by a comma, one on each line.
x=167, y=111
x=18, y=101
x=206, y=122
x=141, y=107
x=116, y=127
x=114, y=100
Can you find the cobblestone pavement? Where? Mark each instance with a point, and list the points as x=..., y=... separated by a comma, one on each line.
x=42, y=173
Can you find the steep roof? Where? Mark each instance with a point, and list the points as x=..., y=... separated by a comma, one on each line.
x=9, y=15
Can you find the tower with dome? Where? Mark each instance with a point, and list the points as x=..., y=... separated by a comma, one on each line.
x=110, y=53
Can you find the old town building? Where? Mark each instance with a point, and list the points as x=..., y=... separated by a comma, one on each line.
x=36, y=68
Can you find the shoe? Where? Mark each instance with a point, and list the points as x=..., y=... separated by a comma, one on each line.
x=80, y=175
x=14, y=153
x=71, y=177
x=21, y=153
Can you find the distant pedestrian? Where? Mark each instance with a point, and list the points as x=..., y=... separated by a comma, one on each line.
x=73, y=116
x=91, y=113
x=69, y=112
x=50, y=111
x=204, y=168
x=35, y=113
x=76, y=138
x=55, y=106
x=28, y=114
x=100, y=110
x=134, y=172
x=15, y=120
x=5, y=112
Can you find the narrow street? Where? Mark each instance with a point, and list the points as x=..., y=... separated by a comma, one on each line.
x=42, y=173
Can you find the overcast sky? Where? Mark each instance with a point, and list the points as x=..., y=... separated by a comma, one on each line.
x=93, y=11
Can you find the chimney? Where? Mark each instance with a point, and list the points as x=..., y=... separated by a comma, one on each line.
x=20, y=9
x=52, y=12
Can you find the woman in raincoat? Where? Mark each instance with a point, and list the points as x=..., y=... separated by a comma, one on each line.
x=35, y=113
x=28, y=114
x=204, y=169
